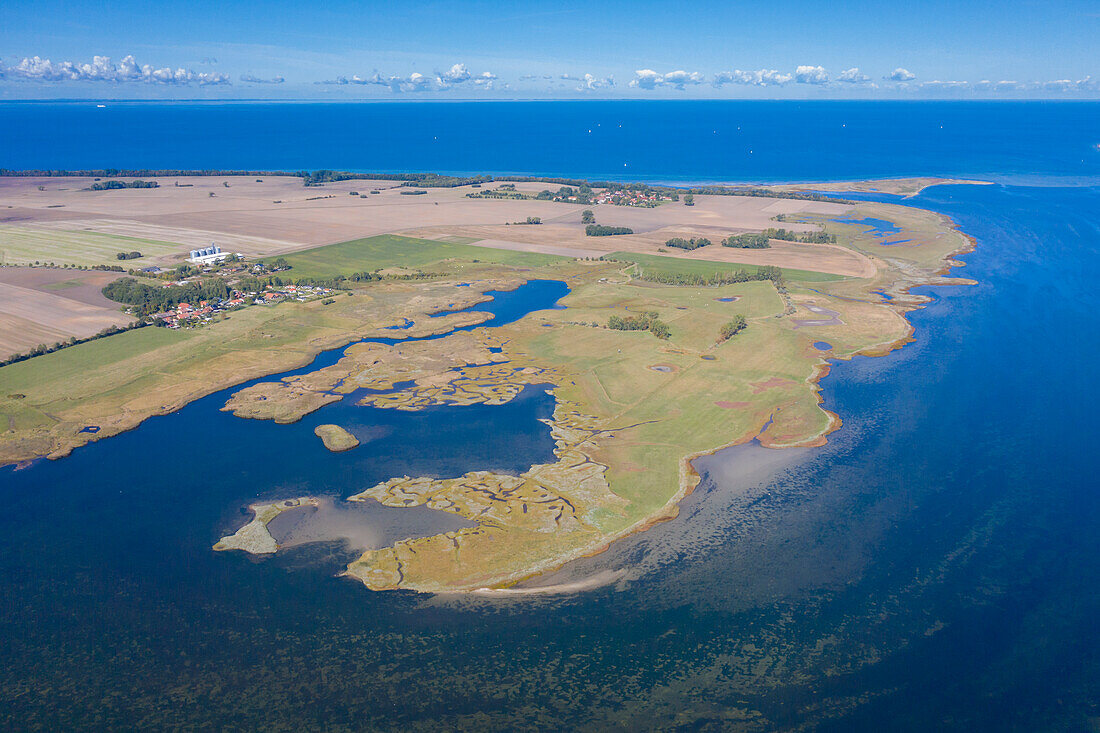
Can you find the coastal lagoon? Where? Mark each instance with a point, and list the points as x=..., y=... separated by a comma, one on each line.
x=934, y=565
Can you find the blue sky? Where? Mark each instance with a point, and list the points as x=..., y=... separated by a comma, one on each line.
x=531, y=50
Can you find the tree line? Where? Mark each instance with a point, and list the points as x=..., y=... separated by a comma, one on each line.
x=72, y=341
x=115, y=185
x=428, y=179
x=602, y=230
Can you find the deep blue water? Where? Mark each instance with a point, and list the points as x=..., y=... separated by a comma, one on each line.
x=672, y=141
x=935, y=566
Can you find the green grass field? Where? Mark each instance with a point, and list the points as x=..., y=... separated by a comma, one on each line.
x=679, y=266
x=26, y=245
x=389, y=250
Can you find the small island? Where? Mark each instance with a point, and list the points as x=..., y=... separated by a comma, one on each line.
x=253, y=537
x=335, y=438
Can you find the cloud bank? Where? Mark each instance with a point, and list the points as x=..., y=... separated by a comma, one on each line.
x=761, y=78
x=250, y=79
x=102, y=69
x=455, y=77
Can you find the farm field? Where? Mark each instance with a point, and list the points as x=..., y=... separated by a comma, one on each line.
x=21, y=245
x=388, y=250
x=40, y=305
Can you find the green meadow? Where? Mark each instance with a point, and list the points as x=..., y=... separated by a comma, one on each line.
x=681, y=266
x=391, y=250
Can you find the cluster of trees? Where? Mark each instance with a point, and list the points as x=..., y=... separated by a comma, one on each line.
x=108, y=268
x=583, y=194
x=646, y=321
x=114, y=185
x=763, y=240
x=734, y=327
x=747, y=241
x=71, y=341
x=818, y=237
x=768, y=272
x=413, y=193
x=688, y=244
x=601, y=230
x=500, y=193
x=147, y=299
x=689, y=199
x=128, y=255
x=588, y=217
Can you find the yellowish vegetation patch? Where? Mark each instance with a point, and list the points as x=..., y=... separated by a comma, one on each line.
x=335, y=438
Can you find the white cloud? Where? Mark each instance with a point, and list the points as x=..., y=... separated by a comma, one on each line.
x=985, y=85
x=900, y=74
x=937, y=84
x=101, y=69
x=457, y=76
x=249, y=78
x=811, y=75
x=761, y=78
x=650, y=79
x=853, y=76
x=646, y=79
x=1058, y=85
x=1088, y=84
x=591, y=83
x=486, y=80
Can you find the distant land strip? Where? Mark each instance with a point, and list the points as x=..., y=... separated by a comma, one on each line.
x=426, y=180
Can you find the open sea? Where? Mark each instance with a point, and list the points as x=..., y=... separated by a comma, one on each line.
x=935, y=566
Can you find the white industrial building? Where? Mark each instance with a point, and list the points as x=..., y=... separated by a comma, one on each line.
x=208, y=255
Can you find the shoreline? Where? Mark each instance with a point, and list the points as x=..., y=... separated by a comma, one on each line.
x=311, y=350
x=908, y=274
x=689, y=475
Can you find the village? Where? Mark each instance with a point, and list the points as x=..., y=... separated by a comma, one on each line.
x=213, y=260
x=642, y=196
x=188, y=315
x=646, y=198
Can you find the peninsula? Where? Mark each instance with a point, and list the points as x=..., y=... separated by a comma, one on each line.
x=656, y=355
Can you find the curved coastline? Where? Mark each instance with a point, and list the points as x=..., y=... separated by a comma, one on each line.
x=449, y=319
x=690, y=477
